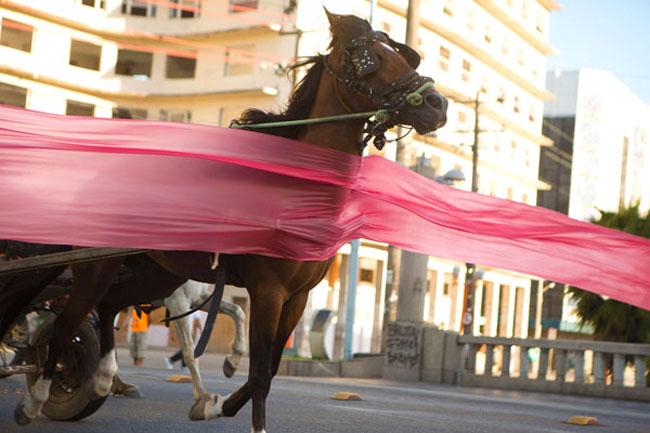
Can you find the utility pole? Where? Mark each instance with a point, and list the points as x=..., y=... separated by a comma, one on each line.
x=413, y=270
x=470, y=276
x=394, y=254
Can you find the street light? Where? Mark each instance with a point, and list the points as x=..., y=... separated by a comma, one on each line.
x=451, y=177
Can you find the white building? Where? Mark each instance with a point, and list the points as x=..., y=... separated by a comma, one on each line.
x=611, y=143
x=605, y=130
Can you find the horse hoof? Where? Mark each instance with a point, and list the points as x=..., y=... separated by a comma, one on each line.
x=19, y=415
x=228, y=367
x=133, y=392
x=198, y=410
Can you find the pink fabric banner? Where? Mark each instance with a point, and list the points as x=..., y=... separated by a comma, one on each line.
x=162, y=185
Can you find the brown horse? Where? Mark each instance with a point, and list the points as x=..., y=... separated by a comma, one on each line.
x=364, y=70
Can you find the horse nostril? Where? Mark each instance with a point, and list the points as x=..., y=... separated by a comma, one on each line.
x=434, y=100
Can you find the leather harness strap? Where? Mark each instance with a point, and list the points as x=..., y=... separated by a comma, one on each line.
x=212, y=312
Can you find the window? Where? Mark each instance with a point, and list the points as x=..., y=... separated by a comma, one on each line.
x=13, y=95
x=242, y=5
x=85, y=55
x=367, y=276
x=180, y=67
x=435, y=164
x=521, y=57
x=462, y=117
x=445, y=55
x=176, y=116
x=385, y=26
x=94, y=3
x=541, y=22
x=185, y=9
x=76, y=108
x=422, y=49
x=130, y=62
x=467, y=68
x=531, y=113
x=524, y=10
x=488, y=34
x=239, y=60
x=142, y=8
x=505, y=48
x=471, y=19
x=129, y=113
x=16, y=35
x=515, y=106
x=527, y=157
x=448, y=8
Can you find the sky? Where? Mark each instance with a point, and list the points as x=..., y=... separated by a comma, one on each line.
x=612, y=35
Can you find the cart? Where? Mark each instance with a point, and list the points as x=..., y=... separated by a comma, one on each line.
x=24, y=348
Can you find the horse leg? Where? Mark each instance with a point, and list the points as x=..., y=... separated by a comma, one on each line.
x=90, y=282
x=184, y=334
x=230, y=405
x=107, y=366
x=148, y=282
x=231, y=363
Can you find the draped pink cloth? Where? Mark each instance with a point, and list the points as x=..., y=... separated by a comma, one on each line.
x=160, y=185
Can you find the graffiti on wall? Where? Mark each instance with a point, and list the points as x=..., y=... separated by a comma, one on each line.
x=403, y=344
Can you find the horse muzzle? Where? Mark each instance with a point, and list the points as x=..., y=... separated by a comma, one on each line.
x=425, y=113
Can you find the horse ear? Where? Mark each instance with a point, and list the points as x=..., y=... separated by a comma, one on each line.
x=332, y=18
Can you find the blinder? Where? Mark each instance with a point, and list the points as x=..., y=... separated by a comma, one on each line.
x=412, y=57
x=364, y=60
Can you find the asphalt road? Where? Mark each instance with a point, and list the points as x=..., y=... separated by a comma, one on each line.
x=304, y=405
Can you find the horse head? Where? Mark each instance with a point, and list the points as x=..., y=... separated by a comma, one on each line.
x=374, y=72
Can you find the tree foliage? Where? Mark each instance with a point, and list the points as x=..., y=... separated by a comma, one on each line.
x=613, y=320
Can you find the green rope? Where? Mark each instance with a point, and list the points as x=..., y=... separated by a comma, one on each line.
x=381, y=114
x=416, y=98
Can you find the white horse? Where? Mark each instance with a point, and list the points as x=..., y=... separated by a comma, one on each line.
x=190, y=296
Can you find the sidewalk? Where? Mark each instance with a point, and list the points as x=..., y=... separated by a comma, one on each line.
x=155, y=358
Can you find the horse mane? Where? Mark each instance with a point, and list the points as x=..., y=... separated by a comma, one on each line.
x=300, y=102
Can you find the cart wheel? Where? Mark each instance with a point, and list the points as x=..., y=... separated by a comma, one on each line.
x=68, y=400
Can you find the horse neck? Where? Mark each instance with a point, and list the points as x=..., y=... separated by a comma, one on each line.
x=341, y=135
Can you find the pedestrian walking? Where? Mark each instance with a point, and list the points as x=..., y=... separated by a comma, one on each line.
x=138, y=341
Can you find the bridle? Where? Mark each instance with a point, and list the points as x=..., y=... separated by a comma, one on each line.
x=358, y=62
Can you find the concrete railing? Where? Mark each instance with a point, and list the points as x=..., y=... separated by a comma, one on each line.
x=567, y=366
x=418, y=352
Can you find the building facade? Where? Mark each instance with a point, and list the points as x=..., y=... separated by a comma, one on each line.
x=601, y=161
x=204, y=61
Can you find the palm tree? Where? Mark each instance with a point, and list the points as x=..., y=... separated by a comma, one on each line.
x=613, y=320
